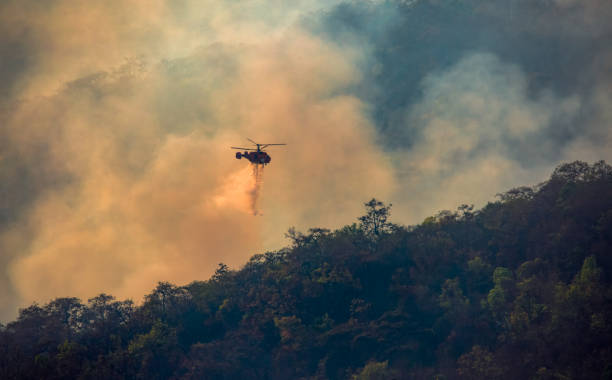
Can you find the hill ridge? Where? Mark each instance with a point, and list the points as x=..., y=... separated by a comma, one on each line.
x=518, y=289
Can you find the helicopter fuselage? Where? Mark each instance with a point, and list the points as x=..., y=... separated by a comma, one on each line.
x=256, y=157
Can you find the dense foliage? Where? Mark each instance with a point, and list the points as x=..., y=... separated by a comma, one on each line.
x=520, y=289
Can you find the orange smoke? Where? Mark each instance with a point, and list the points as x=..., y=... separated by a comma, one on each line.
x=242, y=189
x=149, y=189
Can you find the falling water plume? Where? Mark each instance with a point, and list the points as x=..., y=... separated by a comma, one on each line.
x=258, y=170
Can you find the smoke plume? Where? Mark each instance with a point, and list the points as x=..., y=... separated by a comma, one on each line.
x=119, y=173
x=116, y=119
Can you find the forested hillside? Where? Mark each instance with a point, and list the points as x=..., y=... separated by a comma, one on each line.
x=520, y=289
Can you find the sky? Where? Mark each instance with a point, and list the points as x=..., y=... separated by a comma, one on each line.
x=116, y=118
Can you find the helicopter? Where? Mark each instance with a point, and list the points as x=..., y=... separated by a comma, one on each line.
x=255, y=155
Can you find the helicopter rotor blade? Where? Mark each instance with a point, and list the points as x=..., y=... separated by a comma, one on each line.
x=235, y=147
x=252, y=141
x=265, y=145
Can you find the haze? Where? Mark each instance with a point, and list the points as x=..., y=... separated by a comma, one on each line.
x=116, y=119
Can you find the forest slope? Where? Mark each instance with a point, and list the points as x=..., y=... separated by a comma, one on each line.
x=519, y=289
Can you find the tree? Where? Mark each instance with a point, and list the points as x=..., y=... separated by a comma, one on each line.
x=221, y=272
x=167, y=301
x=375, y=371
x=479, y=363
x=374, y=222
x=499, y=296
